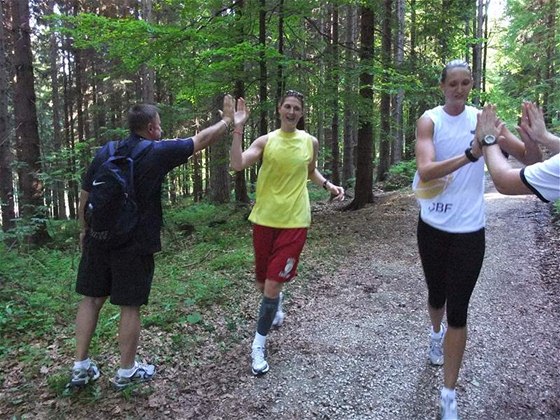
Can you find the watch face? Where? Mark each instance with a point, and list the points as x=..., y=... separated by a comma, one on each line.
x=489, y=140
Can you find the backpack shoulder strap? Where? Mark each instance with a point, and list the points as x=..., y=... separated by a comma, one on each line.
x=112, y=148
x=140, y=148
x=137, y=152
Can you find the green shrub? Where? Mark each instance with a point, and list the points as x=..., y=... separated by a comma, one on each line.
x=556, y=212
x=400, y=175
x=64, y=233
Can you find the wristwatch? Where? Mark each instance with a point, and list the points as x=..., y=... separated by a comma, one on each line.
x=488, y=140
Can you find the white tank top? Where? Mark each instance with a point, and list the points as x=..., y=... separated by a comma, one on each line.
x=454, y=203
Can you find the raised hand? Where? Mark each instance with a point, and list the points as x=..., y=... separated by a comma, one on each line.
x=487, y=123
x=242, y=113
x=228, y=109
x=532, y=122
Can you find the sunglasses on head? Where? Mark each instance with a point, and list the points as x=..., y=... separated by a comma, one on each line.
x=294, y=93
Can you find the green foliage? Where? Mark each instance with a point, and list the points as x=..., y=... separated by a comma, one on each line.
x=35, y=294
x=316, y=192
x=64, y=233
x=207, y=269
x=400, y=175
x=526, y=58
x=556, y=212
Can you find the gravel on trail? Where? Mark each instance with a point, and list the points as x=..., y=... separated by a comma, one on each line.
x=353, y=345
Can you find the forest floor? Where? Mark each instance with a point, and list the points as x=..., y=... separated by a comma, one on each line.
x=353, y=345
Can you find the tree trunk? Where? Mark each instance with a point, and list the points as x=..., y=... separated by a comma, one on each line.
x=364, y=167
x=240, y=182
x=477, y=51
x=147, y=74
x=551, y=57
x=241, y=195
x=27, y=134
x=59, y=207
x=263, y=79
x=385, y=107
x=220, y=179
x=398, y=138
x=198, y=190
x=335, y=151
x=6, y=158
x=280, y=79
x=73, y=192
x=350, y=83
x=410, y=125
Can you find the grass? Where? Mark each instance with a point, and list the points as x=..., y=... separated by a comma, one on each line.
x=200, y=291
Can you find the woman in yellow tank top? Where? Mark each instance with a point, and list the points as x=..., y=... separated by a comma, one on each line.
x=282, y=213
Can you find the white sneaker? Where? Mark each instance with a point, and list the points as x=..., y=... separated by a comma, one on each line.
x=448, y=407
x=81, y=377
x=279, y=317
x=143, y=373
x=259, y=365
x=435, y=350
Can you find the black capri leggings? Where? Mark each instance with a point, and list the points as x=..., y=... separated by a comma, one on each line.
x=451, y=263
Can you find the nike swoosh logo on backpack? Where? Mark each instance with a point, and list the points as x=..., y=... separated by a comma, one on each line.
x=95, y=183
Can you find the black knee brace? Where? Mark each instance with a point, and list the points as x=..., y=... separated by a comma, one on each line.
x=267, y=312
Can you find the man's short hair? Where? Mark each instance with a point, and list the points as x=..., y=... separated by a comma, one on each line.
x=140, y=115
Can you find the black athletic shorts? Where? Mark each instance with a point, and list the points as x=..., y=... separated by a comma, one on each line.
x=452, y=264
x=121, y=274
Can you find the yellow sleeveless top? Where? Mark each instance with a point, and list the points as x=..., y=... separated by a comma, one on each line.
x=282, y=200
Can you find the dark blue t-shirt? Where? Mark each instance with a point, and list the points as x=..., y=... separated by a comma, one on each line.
x=150, y=169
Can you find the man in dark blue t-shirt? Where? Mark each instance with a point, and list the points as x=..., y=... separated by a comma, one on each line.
x=125, y=274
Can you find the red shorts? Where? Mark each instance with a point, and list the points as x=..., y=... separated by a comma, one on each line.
x=277, y=252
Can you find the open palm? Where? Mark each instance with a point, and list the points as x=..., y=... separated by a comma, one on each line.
x=242, y=113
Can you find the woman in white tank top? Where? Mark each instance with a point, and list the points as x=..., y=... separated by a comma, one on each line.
x=449, y=187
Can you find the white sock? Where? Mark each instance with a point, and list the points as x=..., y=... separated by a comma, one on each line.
x=82, y=364
x=437, y=334
x=127, y=373
x=280, y=302
x=447, y=393
x=259, y=341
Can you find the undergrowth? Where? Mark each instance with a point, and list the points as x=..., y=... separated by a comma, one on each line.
x=556, y=212
x=202, y=280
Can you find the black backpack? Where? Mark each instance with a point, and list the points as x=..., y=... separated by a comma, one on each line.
x=111, y=212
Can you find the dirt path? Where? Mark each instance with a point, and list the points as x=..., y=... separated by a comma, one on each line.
x=353, y=344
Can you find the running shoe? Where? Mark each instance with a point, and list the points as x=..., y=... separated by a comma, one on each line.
x=259, y=364
x=435, y=350
x=81, y=377
x=448, y=407
x=142, y=373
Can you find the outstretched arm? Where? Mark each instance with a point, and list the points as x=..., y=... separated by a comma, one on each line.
x=506, y=179
x=315, y=176
x=240, y=159
x=211, y=134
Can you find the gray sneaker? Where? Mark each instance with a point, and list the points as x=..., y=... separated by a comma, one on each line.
x=143, y=373
x=259, y=364
x=81, y=377
x=435, y=351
